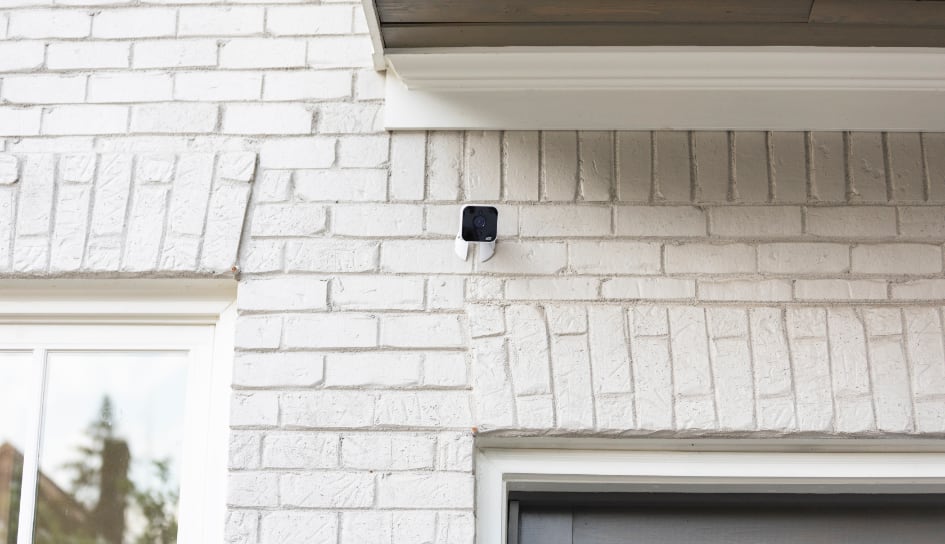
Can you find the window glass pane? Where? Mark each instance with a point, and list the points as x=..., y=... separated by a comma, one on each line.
x=14, y=407
x=110, y=454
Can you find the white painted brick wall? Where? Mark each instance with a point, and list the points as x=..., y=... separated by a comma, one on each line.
x=736, y=283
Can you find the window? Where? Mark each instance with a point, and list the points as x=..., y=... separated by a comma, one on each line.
x=113, y=405
x=711, y=491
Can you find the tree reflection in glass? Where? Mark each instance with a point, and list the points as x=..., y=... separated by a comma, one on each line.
x=115, y=479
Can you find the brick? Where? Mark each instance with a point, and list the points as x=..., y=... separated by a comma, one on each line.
x=710, y=151
x=68, y=241
x=750, y=166
x=528, y=350
x=296, y=450
x=596, y=166
x=267, y=119
x=294, y=527
x=225, y=214
x=254, y=409
x=369, y=526
x=840, y=290
x=213, y=86
x=377, y=292
x=174, y=118
x=288, y=219
x=244, y=449
x=435, y=409
x=36, y=196
x=671, y=167
x=648, y=288
x=652, y=374
x=482, y=176
x=422, y=257
x=897, y=259
x=309, y=20
x=174, y=54
x=857, y=222
x=610, y=358
x=135, y=23
x=922, y=222
x=339, y=52
x=615, y=257
x=905, y=166
x=772, y=365
x=827, y=166
x=307, y=85
x=407, y=153
x=9, y=169
x=867, y=167
x=691, y=372
x=731, y=367
x=112, y=188
x=634, y=166
x=788, y=166
x=485, y=320
x=262, y=53
x=331, y=331
x=425, y=490
x=919, y=290
x=454, y=452
x=262, y=256
x=566, y=319
x=331, y=256
x=552, y=289
x=258, y=332
x=710, y=258
x=848, y=353
x=220, y=21
x=573, y=388
x=923, y=340
x=422, y=331
x=363, y=151
x=444, y=156
x=326, y=490
x=327, y=409
x=559, y=165
x=283, y=369
x=274, y=186
x=791, y=258
x=445, y=293
x=660, y=221
x=443, y=369
x=812, y=383
x=369, y=84
x=313, y=152
x=357, y=185
x=44, y=89
x=377, y=220
x=576, y=221
x=755, y=221
x=372, y=369
x=22, y=55
x=494, y=399
x=252, y=489
x=60, y=23
x=388, y=451
x=284, y=293
x=129, y=87
x=934, y=146
x=155, y=168
x=520, y=166
x=805, y=323
x=19, y=121
x=241, y=527
x=761, y=290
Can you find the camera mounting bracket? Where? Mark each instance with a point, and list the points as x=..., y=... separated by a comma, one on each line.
x=461, y=247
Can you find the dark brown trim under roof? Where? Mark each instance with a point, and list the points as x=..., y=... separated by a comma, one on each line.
x=496, y=23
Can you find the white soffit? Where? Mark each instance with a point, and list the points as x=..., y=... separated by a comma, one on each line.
x=651, y=88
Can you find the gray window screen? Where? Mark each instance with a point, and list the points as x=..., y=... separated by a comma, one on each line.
x=762, y=518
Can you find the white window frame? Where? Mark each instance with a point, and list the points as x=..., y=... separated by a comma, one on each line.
x=197, y=316
x=693, y=466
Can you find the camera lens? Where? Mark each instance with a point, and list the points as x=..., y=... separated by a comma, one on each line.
x=479, y=221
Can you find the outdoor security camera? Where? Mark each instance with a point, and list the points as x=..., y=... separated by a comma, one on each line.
x=477, y=225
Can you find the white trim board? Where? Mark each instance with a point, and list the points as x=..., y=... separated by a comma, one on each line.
x=848, y=469
x=652, y=88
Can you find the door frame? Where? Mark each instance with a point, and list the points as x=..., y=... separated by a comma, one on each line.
x=693, y=466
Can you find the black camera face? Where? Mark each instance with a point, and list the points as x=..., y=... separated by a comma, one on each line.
x=480, y=223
